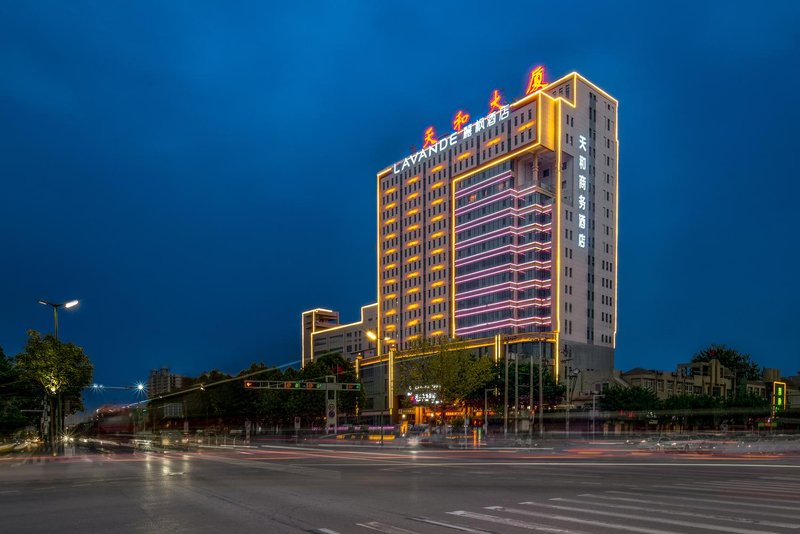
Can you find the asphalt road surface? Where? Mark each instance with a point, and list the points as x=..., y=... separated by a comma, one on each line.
x=342, y=490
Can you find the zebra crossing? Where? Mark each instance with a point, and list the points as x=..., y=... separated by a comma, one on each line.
x=762, y=505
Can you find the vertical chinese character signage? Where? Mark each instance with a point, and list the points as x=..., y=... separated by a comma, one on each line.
x=778, y=397
x=583, y=171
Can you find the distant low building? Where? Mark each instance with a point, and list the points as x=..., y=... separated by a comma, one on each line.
x=163, y=381
x=699, y=378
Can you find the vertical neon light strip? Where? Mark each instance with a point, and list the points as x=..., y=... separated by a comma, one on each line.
x=556, y=295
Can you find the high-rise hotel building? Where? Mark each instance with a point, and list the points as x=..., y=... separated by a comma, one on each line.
x=507, y=226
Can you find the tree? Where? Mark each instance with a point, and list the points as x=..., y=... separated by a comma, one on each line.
x=61, y=369
x=449, y=373
x=16, y=393
x=633, y=399
x=743, y=367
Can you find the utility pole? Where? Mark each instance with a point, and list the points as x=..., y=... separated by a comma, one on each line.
x=541, y=394
x=594, y=412
x=505, y=401
x=530, y=400
x=516, y=394
x=567, y=368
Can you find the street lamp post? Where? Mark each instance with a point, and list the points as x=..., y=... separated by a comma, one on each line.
x=56, y=306
x=594, y=413
x=57, y=425
x=541, y=395
x=372, y=336
x=486, y=410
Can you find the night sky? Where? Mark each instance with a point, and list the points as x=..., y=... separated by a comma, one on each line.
x=198, y=173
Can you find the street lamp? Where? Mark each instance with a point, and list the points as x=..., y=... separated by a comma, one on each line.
x=372, y=336
x=55, y=306
x=58, y=427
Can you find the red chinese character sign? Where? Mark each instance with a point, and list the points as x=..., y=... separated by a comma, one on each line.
x=494, y=102
x=460, y=120
x=430, y=137
x=536, y=81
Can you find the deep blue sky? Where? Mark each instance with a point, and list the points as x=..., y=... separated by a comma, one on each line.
x=200, y=173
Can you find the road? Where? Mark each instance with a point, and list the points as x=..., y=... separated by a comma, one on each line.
x=342, y=490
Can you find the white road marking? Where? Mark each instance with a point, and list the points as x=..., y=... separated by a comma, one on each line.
x=719, y=501
x=388, y=529
x=591, y=522
x=681, y=513
x=770, y=487
x=664, y=498
x=448, y=525
x=516, y=523
x=674, y=522
x=326, y=531
x=705, y=491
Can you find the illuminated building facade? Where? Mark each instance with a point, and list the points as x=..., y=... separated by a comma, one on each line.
x=500, y=233
x=322, y=334
x=507, y=226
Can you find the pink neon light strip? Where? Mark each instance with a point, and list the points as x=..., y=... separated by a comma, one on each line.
x=480, y=185
x=500, y=195
x=497, y=233
x=536, y=264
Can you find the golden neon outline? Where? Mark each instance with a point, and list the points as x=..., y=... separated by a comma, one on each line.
x=337, y=327
x=378, y=281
